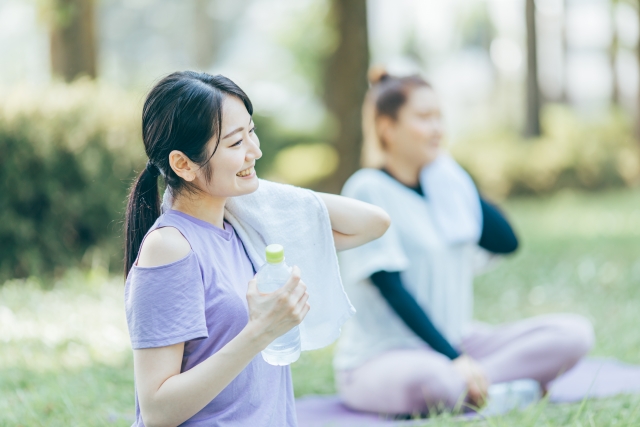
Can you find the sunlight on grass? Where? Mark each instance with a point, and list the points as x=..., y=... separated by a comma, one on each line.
x=65, y=357
x=570, y=214
x=81, y=320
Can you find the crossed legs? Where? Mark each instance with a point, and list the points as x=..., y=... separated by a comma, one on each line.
x=407, y=381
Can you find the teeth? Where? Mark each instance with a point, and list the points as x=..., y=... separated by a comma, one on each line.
x=245, y=172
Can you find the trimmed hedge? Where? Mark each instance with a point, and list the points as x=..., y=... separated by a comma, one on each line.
x=67, y=156
x=574, y=152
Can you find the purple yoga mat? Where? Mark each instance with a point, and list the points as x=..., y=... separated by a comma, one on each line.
x=596, y=378
x=591, y=378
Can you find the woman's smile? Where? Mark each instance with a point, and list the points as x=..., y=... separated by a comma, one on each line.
x=247, y=173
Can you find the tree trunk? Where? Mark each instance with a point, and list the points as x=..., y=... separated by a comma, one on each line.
x=613, y=55
x=204, y=40
x=210, y=31
x=346, y=85
x=73, y=39
x=638, y=93
x=532, y=125
x=564, y=96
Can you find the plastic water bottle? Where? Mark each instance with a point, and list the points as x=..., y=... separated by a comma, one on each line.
x=505, y=397
x=271, y=277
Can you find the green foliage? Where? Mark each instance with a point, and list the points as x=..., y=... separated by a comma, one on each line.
x=310, y=38
x=573, y=153
x=67, y=156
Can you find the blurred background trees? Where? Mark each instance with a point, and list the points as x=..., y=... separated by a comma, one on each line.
x=532, y=122
x=537, y=95
x=73, y=41
x=345, y=85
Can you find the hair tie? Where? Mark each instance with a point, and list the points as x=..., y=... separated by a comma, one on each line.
x=152, y=169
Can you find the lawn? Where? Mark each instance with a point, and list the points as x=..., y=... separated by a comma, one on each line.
x=65, y=361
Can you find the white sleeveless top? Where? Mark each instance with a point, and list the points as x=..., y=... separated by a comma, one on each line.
x=439, y=275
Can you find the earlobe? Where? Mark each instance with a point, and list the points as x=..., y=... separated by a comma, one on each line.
x=182, y=165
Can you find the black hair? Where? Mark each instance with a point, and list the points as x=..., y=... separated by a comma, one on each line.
x=182, y=112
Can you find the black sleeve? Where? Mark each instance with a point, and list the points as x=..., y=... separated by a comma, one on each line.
x=497, y=235
x=391, y=288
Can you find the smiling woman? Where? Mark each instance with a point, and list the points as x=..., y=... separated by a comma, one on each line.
x=196, y=319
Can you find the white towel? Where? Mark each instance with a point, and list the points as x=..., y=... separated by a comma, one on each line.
x=297, y=219
x=454, y=200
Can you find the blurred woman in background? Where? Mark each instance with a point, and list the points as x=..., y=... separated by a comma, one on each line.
x=412, y=345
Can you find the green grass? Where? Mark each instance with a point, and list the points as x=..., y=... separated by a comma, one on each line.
x=65, y=361
x=64, y=353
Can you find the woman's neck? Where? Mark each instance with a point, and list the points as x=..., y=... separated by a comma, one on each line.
x=205, y=208
x=407, y=174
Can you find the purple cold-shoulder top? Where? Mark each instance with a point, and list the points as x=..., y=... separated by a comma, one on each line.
x=201, y=300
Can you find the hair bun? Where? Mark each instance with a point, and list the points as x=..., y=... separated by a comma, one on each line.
x=377, y=74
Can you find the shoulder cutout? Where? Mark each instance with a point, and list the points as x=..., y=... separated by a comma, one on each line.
x=163, y=246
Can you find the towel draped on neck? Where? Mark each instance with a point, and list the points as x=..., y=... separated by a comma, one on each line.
x=454, y=200
x=297, y=219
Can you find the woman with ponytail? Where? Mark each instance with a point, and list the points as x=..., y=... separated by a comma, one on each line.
x=412, y=346
x=196, y=319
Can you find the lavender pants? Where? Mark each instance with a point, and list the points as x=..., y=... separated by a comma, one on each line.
x=408, y=381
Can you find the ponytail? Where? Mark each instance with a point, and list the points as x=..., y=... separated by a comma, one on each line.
x=143, y=209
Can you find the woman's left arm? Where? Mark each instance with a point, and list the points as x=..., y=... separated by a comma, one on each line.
x=354, y=223
x=497, y=235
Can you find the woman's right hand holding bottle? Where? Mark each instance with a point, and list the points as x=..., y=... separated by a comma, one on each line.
x=275, y=313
